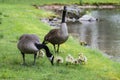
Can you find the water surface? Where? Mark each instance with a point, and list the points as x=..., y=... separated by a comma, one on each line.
x=103, y=35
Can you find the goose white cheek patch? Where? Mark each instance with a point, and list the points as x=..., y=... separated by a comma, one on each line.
x=50, y=58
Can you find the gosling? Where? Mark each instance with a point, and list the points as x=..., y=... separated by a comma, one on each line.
x=83, y=43
x=59, y=60
x=75, y=61
x=41, y=54
x=69, y=59
x=82, y=58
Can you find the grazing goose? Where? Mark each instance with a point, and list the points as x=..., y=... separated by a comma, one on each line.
x=30, y=44
x=58, y=36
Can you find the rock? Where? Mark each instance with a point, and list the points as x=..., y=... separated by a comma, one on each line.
x=87, y=18
x=45, y=20
x=71, y=19
x=74, y=12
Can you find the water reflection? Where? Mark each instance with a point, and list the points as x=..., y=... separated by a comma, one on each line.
x=104, y=34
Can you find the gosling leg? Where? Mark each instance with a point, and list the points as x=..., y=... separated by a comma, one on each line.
x=54, y=48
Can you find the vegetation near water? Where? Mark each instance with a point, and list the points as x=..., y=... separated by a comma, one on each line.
x=17, y=19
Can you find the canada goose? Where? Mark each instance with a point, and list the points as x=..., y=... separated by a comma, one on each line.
x=30, y=44
x=58, y=36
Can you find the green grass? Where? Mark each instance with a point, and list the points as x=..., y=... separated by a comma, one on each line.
x=102, y=1
x=41, y=2
x=18, y=19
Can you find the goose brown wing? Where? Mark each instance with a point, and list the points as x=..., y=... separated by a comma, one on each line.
x=52, y=34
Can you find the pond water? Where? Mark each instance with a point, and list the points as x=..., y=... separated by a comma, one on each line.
x=103, y=35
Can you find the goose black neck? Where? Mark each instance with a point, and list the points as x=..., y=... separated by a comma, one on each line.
x=43, y=46
x=64, y=14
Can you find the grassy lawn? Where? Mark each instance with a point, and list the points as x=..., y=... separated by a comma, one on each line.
x=101, y=1
x=18, y=19
x=41, y=2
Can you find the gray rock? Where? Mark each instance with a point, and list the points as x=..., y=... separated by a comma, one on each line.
x=74, y=12
x=87, y=18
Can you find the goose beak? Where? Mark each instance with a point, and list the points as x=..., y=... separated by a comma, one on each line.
x=52, y=59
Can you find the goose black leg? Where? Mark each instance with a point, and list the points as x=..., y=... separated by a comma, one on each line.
x=54, y=48
x=35, y=55
x=23, y=55
x=58, y=48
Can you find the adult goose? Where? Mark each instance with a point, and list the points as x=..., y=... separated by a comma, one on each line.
x=58, y=36
x=30, y=44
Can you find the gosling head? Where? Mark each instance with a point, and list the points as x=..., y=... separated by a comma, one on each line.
x=80, y=55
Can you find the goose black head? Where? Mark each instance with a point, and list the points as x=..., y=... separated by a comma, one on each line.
x=65, y=8
x=48, y=53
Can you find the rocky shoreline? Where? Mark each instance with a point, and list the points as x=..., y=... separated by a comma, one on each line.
x=74, y=13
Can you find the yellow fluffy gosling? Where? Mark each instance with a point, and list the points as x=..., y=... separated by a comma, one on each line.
x=69, y=59
x=41, y=54
x=82, y=58
x=75, y=61
x=59, y=60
